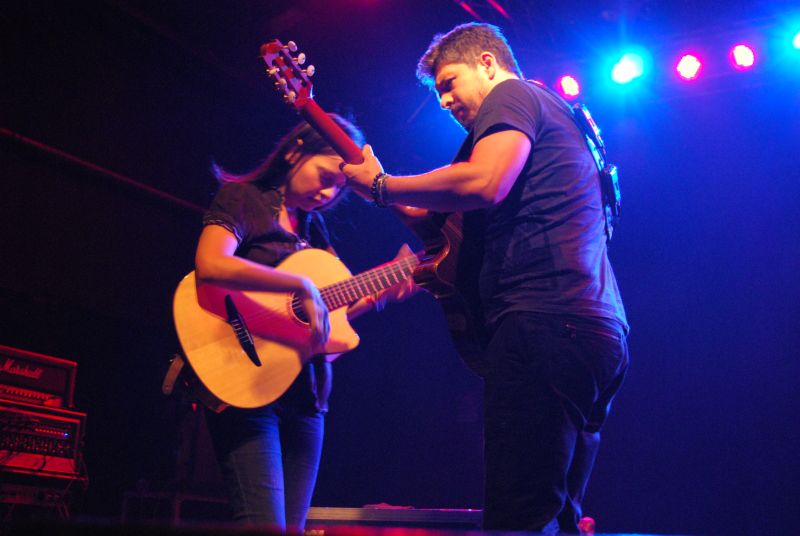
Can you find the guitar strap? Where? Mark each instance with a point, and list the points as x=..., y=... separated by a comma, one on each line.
x=173, y=372
x=609, y=179
x=178, y=370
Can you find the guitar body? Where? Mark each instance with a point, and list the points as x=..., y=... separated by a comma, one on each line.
x=214, y=347
x=450, y=270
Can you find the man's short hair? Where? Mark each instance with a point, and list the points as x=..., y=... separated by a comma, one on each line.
x=464, y=44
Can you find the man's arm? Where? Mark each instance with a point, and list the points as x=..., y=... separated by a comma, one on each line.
x=482, y=181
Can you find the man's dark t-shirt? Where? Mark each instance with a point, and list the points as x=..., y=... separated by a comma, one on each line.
x=545, y=244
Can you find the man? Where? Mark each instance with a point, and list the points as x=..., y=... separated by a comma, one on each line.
x=557, y=353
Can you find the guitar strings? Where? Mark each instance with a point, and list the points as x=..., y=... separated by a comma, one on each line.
x=369, y=282
x=350, y=290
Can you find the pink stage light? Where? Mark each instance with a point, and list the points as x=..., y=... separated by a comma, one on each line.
x=569, y=87
x=689, y=67
x=742, y=57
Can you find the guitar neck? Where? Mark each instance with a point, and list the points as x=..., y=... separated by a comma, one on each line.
x=328, y=129
x=350, y=153
x=370, y=282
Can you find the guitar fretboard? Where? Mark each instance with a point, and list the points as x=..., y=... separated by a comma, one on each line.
x=372, y=281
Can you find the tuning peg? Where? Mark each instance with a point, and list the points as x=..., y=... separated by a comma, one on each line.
x=272, y=71
x=291, y=45
x=310, y=70
x=291, y=96
x=300, y=59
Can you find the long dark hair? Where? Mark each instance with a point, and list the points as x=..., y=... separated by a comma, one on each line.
x=274, y=170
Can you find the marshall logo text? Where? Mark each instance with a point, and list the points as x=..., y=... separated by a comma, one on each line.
x=10, y=367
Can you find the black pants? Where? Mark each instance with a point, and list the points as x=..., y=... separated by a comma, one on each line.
x=549, y=387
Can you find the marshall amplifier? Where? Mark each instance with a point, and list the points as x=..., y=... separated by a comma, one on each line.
x=35, y=378
x=41, y=441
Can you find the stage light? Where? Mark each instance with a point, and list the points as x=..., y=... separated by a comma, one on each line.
x=742, y=57
x=568, y=87
x=796, y=41
x=628, y=68
x=689, y=67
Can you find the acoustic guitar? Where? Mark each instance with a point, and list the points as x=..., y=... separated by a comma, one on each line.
x=247, y=347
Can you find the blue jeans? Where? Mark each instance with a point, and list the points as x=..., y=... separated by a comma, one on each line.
x=549, y=387
x=269, y=458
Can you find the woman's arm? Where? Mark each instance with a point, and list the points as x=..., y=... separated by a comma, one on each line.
x=215, y=263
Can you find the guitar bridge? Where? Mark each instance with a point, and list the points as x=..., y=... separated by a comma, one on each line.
x=240, y=329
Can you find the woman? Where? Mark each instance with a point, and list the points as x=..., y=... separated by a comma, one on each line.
x=270, y=456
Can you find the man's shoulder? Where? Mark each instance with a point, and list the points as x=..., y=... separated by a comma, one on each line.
x=513, y=93
x=512, y=103
x=513, y=87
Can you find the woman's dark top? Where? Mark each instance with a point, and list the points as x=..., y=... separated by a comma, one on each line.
x=250, y=212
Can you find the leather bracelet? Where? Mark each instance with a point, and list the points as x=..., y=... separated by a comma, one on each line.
x=378, y=190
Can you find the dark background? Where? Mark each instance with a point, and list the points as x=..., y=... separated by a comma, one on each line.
x=704, y=435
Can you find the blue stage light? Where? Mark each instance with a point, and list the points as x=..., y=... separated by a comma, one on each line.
x=796, y=41
x=628, y=68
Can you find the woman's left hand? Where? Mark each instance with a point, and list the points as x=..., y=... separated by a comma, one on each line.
x=400, y=291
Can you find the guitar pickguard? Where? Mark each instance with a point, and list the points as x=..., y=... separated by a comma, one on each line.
x=240, y=329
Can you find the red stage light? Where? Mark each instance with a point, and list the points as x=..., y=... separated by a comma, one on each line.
x=742, y=57
x=569, y=87
x=689, y=67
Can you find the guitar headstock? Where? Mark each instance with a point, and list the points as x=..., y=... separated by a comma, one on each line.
x=290, y=80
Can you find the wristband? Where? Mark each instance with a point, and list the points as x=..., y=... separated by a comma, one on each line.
x=379, y=192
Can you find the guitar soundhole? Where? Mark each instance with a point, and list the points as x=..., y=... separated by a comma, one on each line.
x=299, y=311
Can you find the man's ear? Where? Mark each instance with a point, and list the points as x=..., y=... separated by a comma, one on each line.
x=488, y=62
